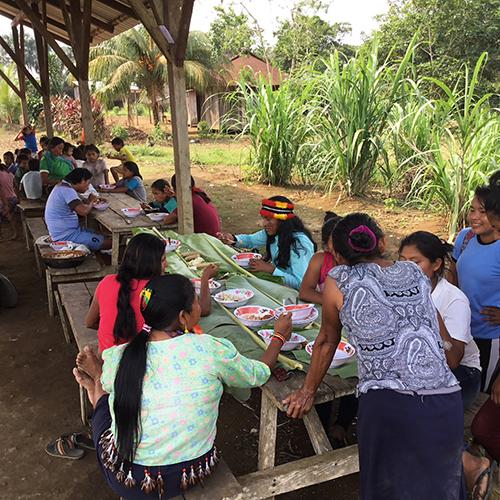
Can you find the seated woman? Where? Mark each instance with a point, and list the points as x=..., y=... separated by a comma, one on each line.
x=115, y=308
x=53, y=167
x=164, y=197
x=63, y=208
x=205, y=215
x=156, y=399
x=321, y=264
x=289, y=244
x=431, y=254
x=131, y=183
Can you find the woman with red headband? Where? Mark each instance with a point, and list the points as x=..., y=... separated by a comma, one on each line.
x=410, y=419
x=289, y=244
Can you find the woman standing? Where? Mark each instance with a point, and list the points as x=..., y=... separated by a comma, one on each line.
x=155, y=429
x=410, y=420
x=289, y=244
x=477, y=257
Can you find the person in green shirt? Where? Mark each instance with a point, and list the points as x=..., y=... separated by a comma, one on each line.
x=156, y=399
x=123, y=154
x=53, y=167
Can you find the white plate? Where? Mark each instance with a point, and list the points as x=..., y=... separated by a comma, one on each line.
x=106, y=186
x=243, y=259
x=345, y=352
x=60, y=246
x=302, y=323
x=241, y=296
x=156, y=217
x=171, y=245
x=131, y=213
x=299, y=312
x=294, y=342
x=102, y=206
x=241, y=313
x=213, y=285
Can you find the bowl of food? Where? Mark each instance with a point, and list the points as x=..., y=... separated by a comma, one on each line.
x=345, y=352
x=131, y=212
x=101, y=205
x=213, y=285
x=156, y=216
x=299, y=311
x=243, y=259
x=171, y=245
x=60, y=246
x=63, y=259
x=294, y=343
x=107, y=187
x=234, y=297
x=254, y=316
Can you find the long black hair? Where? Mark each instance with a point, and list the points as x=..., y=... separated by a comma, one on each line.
x=160, y=185
x=286, y=239
x=356, y=238
x=430, y=246
x=142, y=260
x=194, y=189
x=166, y=297
x=492, y=201
x=133, y=167
x=329, y=222
x=78, y=175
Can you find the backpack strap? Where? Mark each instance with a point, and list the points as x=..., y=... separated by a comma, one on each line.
x=470, y=234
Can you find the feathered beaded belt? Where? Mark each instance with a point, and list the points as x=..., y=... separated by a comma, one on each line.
x=193, y=472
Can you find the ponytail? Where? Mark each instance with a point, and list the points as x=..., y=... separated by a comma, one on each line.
x=128, y=395
x=125, y=324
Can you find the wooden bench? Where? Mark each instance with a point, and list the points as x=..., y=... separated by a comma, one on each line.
x=35, y=228
x=29, y=209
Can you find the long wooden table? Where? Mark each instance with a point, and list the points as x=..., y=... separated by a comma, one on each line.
x=118, y=224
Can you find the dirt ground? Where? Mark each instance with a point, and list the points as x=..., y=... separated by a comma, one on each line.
x=39, y=398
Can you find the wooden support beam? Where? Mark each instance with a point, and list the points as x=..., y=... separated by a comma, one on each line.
x=147, y=18
x=182, y=33
x=36, y=22
x=10, y=83
x=49, y=20
x=119, y=7
x=14, y=57
x=98, y=23
x=18, y=40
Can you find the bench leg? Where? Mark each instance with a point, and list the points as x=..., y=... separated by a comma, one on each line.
x=50, y=293
x=317, y=434
x=62, y=316
x=38, y=260
x=83, y=405
x=25, y=231
x=267, y=434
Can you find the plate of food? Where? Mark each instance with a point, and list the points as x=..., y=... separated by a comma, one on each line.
x=234, y=297
x=295, y=341
x=299, y=312
x=213, y=285
x=243, y=259
x=303, y=323
x=61, y=246
x=171, y=245
x=344, y=353
x=107, y=187
x=156, y=216
x=254, y=316
x=64, y=258
x=131, y=212
x=101, y=205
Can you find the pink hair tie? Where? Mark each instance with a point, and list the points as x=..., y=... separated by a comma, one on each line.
x=363, y=230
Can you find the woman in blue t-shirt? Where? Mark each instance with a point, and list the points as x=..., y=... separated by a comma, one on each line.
x=477, y=257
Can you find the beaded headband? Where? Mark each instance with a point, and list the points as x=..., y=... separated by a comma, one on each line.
x=281, y=210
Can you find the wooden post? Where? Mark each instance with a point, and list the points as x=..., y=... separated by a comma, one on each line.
x=18, y=39
x=43, y=65
x=178, y=109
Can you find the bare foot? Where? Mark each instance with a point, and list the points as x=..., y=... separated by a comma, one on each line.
x=473, y=468
x=88, y=362
x=87, y=383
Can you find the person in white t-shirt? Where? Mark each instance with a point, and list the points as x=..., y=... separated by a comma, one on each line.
x=31, y=181
x=462, y=353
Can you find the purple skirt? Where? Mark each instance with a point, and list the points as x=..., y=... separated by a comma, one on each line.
x=410, y=447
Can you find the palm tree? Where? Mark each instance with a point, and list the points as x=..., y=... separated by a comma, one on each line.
x=133, y=57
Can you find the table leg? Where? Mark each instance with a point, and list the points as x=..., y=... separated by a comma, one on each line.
x=267, y=432
x=50, y=293
x=25, y=230
x=62, y=316
x=115, y=248
x=317, y=434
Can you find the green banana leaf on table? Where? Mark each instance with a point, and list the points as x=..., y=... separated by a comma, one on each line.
x=221, y=322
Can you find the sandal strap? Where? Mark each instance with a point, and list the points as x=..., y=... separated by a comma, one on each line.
x=63, y=445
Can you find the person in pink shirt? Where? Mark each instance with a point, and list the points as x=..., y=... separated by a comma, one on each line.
x=115, y=308
x=8, y=199
x=205, y=214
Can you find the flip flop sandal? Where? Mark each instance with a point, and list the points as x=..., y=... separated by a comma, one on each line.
x=82, y=440
x=63, y=448
x=490, y=472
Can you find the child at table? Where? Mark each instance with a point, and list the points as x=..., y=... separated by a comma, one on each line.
x=96, y=166
x=321, y=264
x=8, y=199
x=164, y=197
x=68, y=154
x=289, y=244
x=156, y=399
x=44, y=146
x=31, y=182
x=9, y=160
x=131, y=183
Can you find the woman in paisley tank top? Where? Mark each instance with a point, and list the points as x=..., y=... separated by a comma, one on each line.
x=410, y=426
